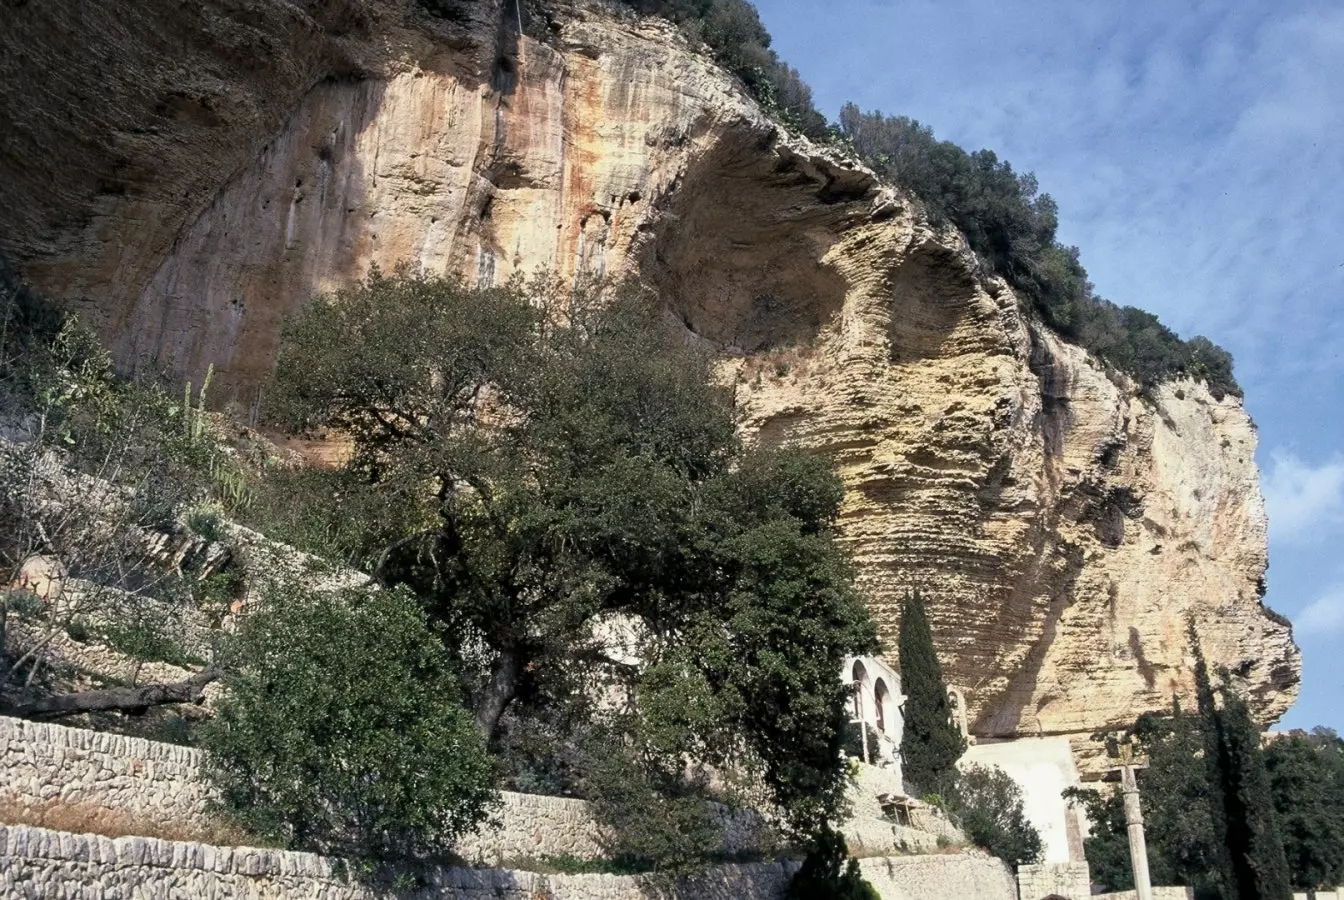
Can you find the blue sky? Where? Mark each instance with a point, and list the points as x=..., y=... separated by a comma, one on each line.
x=1196, y=150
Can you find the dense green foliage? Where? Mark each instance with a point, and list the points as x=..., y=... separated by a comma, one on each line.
x=987, y=803
x=657, y=818
x=931, y=744
x=548, y=460
x=828, y=873
x=736, y=39
x=1011, y=226
x=1241, y=801
x=1306, y=773
x=1213, y=801
x=341, y=728
x=1183, y=847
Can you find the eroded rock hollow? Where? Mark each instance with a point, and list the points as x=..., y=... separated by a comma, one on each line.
x=188, y=175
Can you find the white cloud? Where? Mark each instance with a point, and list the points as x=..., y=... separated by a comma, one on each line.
x=1302, y=498
x=1322, y=617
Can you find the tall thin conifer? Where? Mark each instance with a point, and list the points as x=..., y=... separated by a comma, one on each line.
x=931, y=744
x=1254, y=864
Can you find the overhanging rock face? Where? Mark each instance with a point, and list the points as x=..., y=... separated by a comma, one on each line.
x=1062, y=527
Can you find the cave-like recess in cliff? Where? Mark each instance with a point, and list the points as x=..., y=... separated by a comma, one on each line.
x=738, y=253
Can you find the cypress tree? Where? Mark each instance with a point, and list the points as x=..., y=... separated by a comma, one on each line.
x=931, y=744
x=1254, y=865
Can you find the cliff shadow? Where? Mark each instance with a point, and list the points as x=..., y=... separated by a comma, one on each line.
x=738, y=253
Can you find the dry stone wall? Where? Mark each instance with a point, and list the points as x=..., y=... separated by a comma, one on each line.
x=37, y=863
x=75, y=779
x=1072, y=881
x=959, y=876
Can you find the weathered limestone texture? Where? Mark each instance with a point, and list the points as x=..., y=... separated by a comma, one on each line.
x=188, y=191
x=37, y=864
x=1067, y=880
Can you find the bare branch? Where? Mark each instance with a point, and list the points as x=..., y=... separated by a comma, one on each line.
x=131, y=700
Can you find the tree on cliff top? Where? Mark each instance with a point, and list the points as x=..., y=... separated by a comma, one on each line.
x=549, y=458
x=931, y=744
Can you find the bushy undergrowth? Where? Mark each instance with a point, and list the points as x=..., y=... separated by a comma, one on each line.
x=343, y=728
x=94, y=474
x=988, y=805
x=828, y=873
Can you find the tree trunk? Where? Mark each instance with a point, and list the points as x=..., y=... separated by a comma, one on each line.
x=498, y=693
x=132, y=700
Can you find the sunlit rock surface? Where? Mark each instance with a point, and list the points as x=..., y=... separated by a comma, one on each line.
x=188, y=175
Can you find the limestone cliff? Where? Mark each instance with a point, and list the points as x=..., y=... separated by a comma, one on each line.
x=189, y=174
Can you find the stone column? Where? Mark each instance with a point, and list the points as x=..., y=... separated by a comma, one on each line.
x=1138, y=850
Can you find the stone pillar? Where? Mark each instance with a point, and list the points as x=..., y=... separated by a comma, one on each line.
x=1138, y=850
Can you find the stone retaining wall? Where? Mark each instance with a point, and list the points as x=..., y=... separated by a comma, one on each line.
x=1072, y=881
x=959, y=876
x=73, y=779
x=37, y=864
x=95, y=781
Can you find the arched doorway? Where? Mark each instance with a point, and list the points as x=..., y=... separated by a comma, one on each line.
x=861, y=686
x=881, y=696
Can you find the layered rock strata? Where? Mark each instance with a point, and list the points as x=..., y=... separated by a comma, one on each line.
x=189, y=192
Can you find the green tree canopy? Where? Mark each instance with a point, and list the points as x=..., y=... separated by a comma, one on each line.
x=560, y=458
x=931, y=744
x=341, y=728
x=988, y=805
x=1306, y=773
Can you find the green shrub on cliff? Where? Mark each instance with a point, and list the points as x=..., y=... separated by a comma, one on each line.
x=988, y=805
x=736, y=39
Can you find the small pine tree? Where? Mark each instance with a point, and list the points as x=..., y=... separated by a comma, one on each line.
x=1242, y=800
x=931, y=744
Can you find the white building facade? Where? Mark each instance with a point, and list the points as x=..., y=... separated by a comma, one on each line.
x=877, y=704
